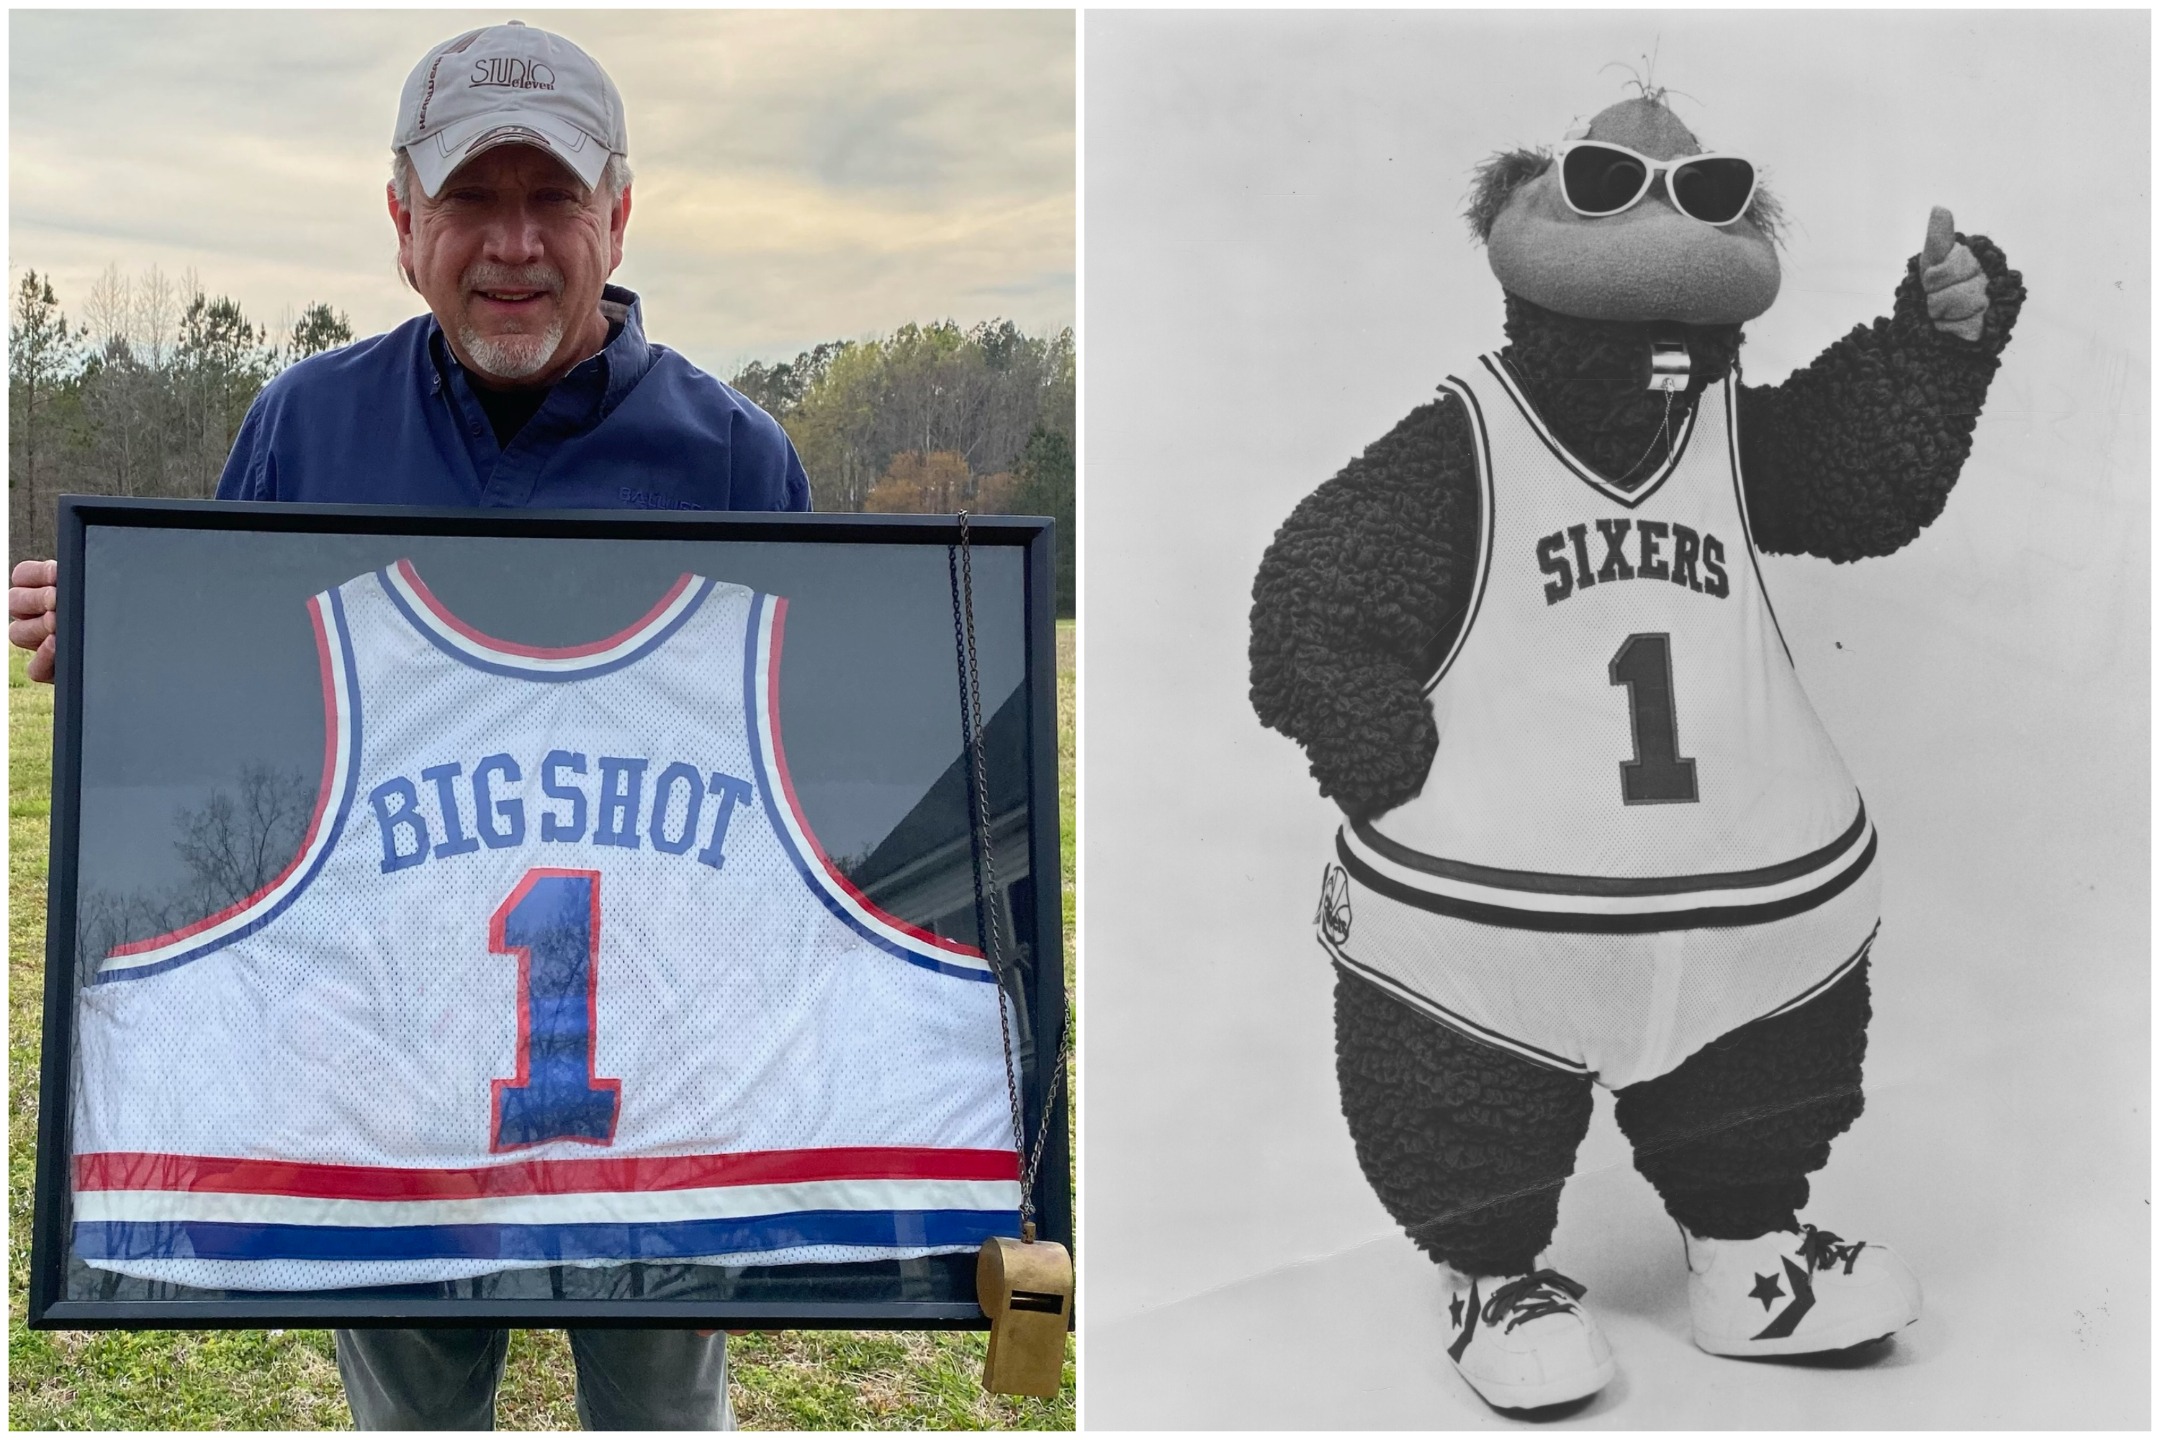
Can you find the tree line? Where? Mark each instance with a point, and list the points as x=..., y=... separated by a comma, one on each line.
x=143, y=394
x=141, y=397
x=932, y=419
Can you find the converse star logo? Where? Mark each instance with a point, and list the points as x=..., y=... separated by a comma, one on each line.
x=1766, y=1290
x=1454, y=1312
x=1788, y=1320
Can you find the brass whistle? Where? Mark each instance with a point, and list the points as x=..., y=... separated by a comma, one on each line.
x=1026, y=1288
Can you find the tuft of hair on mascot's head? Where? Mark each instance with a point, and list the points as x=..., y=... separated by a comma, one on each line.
x=1593, y=832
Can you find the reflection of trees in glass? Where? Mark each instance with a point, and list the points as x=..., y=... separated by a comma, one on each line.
x=237, y=843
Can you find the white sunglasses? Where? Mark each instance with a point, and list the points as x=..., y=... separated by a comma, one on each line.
x=1599, y=178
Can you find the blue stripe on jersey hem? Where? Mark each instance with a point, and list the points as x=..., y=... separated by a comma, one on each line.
x=516, y=672
x=1575, y=922
x=337, y=827
x=819, y=883
x=227, y=1240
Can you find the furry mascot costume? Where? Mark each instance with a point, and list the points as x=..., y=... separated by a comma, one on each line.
x=1542, y=577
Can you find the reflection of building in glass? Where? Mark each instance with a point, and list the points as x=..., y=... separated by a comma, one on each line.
x=924, y=871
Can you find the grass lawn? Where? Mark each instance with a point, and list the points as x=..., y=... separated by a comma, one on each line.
x=287, y=1379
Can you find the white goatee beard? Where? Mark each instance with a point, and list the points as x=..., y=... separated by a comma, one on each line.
x=512, y=357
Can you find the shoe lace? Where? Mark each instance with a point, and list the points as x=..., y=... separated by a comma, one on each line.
x=1541, y=1292
x=1822, y=1250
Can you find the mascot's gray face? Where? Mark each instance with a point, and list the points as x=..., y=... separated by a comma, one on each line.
x=1649, y=262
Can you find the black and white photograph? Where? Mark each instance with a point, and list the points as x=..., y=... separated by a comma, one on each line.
x=1617, y=719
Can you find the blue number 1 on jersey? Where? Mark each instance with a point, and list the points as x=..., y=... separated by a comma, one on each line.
x=551, y=923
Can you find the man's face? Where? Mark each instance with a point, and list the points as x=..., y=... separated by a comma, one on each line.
x=511, y=256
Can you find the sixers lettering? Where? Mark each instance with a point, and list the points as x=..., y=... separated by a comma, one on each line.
x=560, y=975
x=1650, y=562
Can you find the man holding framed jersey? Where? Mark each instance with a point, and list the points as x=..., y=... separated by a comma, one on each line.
x=529, y=383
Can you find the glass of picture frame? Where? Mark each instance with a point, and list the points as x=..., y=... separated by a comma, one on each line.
x=526, y=918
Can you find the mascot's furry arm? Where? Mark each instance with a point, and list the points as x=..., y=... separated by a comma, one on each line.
x=1368, y=574
x=1854, y=455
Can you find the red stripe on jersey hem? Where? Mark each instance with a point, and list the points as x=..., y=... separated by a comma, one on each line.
x=332, y=734
x=436, y=608
x=802, y=822
x=138, y=1170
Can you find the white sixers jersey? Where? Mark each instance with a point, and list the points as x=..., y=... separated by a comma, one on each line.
x=558, y=976
x=1624, y=750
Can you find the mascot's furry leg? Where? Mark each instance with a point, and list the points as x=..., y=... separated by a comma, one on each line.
x=1466, y=1145
x=1730, y=1137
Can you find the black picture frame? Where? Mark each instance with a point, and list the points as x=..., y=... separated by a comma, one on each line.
x=941, y=1298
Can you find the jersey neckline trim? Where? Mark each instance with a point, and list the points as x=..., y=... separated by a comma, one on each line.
x=1501, y=371
x=461, y=642
x=761, y=703
x=340, y=777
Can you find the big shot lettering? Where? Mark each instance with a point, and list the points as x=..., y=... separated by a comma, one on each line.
x=504, y=72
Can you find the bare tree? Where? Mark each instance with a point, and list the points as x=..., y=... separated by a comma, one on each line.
x=237, y=843
x=156, y=313
x=110, y=309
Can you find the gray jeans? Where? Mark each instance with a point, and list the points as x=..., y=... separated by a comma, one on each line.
x=446, y=1379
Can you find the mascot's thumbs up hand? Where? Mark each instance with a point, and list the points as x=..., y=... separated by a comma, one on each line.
x=1955, y=286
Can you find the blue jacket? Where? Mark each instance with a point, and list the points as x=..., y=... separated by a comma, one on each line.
x=392, y=420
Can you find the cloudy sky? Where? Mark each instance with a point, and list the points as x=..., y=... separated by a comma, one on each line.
x=801, y=175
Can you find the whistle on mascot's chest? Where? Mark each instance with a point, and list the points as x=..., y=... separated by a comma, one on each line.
x=1026, y=1288
x=1666, y=366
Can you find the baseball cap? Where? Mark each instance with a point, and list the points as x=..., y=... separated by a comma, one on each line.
x=508, y=85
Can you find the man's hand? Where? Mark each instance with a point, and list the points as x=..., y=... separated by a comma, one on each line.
x=33, y=592
x=1955, y=286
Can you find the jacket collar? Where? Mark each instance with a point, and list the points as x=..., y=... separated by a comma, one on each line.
x=621, y=363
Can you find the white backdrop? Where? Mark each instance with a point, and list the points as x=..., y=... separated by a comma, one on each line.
x=1277, y=272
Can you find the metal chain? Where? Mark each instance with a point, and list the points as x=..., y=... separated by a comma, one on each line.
x=1042, y=1133
x=1664, y=426
x=979, y=834
x=988, y=922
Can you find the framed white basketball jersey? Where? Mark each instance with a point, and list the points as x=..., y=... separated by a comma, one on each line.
x=560, y=975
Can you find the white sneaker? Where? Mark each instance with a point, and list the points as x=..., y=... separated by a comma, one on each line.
x=1795, y=1292
x=1521, y=1340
